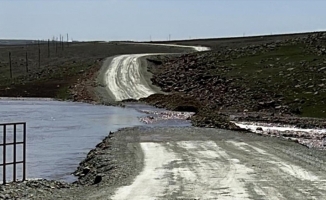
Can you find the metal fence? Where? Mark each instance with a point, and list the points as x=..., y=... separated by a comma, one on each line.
x=11, y=130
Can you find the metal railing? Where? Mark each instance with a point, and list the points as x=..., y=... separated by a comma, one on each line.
x=4, y=133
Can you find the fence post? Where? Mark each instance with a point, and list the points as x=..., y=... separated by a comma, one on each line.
x=15, y=156
x=4, y=153
x=24, y=153
x=10, y=64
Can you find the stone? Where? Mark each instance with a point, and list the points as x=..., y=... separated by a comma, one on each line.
x=259, y=129
x=97, y=179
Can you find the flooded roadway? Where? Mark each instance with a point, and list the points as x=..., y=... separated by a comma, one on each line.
x=60, y=134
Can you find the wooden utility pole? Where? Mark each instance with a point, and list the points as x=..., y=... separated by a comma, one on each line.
x=59, y=41
x=26, y=62
x=39, y=58
x=56, y=45
x=48, y=48
x=10, y=65
x=62, y=43
x=67, y=40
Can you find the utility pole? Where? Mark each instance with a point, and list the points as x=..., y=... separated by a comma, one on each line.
x=48, y=48
x=56, y=45
x=67, y=40
x=39, y=58
x=60, y=40
x=26, y=63
x=10, y=65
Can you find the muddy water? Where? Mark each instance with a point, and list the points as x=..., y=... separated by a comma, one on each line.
x=60, y=134
x=157, y=117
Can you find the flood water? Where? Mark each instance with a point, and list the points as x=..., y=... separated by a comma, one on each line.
x=60, y=134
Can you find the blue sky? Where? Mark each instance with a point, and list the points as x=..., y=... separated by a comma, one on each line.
x=140, y=19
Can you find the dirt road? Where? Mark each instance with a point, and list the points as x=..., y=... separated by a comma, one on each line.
x=126, y=76
x=194, y=163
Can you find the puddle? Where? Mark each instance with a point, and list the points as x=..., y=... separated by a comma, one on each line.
x=312, y=138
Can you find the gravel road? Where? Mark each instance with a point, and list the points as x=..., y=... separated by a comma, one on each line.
x=192, y=163
x=126, y=76
x=198, y=163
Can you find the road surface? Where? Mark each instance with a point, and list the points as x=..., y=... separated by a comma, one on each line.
x=125, y=78
x=193, y=163
x=197, y=163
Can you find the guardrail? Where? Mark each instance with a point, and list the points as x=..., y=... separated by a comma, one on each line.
x=5, y=131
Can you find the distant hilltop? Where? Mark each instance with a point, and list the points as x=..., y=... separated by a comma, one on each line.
x=16, y=42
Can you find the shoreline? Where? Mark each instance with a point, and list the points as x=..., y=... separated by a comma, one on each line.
x=87, y=90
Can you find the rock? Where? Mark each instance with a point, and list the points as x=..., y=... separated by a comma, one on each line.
x=186, y=108
x=86, y=170
x=97, y=179
x=259, y=129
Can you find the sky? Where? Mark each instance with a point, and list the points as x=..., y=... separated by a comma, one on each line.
x=144, y=20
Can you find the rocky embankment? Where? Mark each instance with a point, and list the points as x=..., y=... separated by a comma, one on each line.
x=32, y=189
x=110, y=163
x=279, y=81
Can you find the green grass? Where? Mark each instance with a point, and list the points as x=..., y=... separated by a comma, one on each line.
x=63, y=93
x=280, y=71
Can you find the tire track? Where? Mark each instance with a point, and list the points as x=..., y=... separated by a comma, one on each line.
x=124, y=78
x=287, y=178
x=222, y=169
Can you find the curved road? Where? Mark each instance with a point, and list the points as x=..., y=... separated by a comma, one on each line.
x=195, y=164
x=125, y=77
